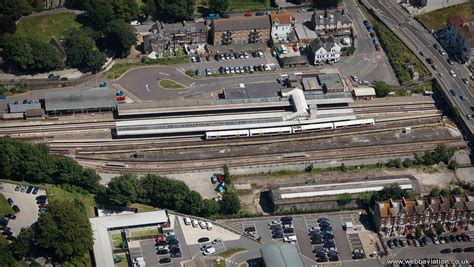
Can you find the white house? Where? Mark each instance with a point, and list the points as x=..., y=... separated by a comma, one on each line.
x=335, y=22
x=324, y=50
x=281, y=26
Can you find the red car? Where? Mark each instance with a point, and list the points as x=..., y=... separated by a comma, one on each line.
x=248, y=14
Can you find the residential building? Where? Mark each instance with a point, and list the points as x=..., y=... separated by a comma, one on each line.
x=460, y=38
x=401, y=217
x=281, y=26
x=324, y=50
x=171, y=36
x=241, y=30
x=335, y=22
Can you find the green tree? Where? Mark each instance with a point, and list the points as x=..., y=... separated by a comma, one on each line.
x=435, y=192
x=15, y=8
x=455, y=112
x=6, y=256
x=7, y=25
x=210, y=207
x=407, y=163
x=365, y=198
x=126, y=10
x=82, y=53
x=20, y=246
x=120, y=36
x=218, y=6
x=230, y=202
x=64, y=232
x=394, y=163
x=456, y=191
x=30, y=55
x=418, y=232
x=391, y=192
x=325, y=4
x=382, y=89
x=173, y=10
x=344, y=199
x=99, y=14
x=343, y=167
x=439, y=228
x=226, y=174
x=123, y=190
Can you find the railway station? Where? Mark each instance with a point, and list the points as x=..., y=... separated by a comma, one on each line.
x=229, y=118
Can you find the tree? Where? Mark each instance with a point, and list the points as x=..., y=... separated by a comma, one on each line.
x=407, y=162
x=382, y=89
x=210, y=207
x=15, y=8
x=325, y=4
x=394, y=163
x=82, y=53
x=439, y=228
x=435, y=192
x=6, y=256
x=218, y=6
x=344, y=199
x=173, y=10
x=227, y=175
x=63, y=231
x=7, y=25
x=455, y=112
x=123, y=190
x=120, y=36
x=393, y=191
x=230, y=202
x=456, y=191
x=20, y=246
x=418, y=232
x=31, y=55
x=365, y=198
x=343, y=167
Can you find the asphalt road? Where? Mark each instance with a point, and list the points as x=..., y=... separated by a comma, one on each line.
x=417, y=37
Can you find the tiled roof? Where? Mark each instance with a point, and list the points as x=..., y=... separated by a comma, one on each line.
x=281, y=18
x=241, y=23
x=326, y=43
x=456, y=21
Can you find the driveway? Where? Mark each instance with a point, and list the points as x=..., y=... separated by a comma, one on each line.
x=28, y=209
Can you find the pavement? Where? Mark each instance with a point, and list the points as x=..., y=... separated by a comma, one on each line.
x=28, y=209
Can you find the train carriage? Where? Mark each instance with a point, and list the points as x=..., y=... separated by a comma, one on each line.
x=227, y=134
x=353, y=123
x=270, y=131
x=316, y=127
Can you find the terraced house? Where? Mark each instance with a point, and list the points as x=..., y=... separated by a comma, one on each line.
x=334, y=22
x=401, y=217
x=460, y=38
x=241, y=30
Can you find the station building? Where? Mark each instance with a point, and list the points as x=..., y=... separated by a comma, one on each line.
x=281, y=255
x=318, y=196
x=78, y=101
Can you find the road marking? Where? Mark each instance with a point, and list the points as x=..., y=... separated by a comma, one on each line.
x=162, y=73
x=192, y=84
x=146, y=87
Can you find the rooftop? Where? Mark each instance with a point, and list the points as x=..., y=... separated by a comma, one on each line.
x=364, y=91
x=281, y=255
x=20, y=107
x=304, y=33
x=179, y=27
x=282, y=18
x=330, y=80
x=80, y=99
x=241, y=23
x=102, y=225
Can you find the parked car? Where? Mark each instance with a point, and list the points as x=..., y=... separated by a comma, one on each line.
x=469, y=249
x=35, y=190
x=11, y=216
x=457, y=250
x=445, y=251
x=176, y=255
x=195, y=223
x=16, y=209
x=453, y=238
x=10, y=201
x=17, y=188
x=203, y=239
x=187, y=221
x=452, y=73
x=23, y=188
x=165, y=260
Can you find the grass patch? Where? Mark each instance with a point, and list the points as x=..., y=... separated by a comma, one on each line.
x=117, y=240
x=123, y=260
x=437, y=19
x=169, y=84
x=220, y=263
x=119, y=69
x=230, y=252
x=44, y=27
x=146, y=232
x=398, y=54
x=143, y=207
x=5, y=208
x=248, y=5
x=414, y=89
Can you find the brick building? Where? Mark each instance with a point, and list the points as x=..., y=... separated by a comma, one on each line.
x=241, y=30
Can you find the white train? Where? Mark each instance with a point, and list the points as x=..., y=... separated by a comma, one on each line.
x=288, y=130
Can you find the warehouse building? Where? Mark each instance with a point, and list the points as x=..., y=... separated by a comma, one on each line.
x=317, y=196
x=281, y=255
x=91, y=100
x=101, y=226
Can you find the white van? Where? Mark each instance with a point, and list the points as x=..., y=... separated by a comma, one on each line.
x=195, y=223
x=289, y=238
x=209, y=226
x=187, y=221
x=202, y=224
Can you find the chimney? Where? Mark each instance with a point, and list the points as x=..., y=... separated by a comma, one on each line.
x=343, y=12
x=325, y=13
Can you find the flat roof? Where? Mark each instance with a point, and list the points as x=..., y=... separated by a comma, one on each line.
x=281, y=255
x=20, y=107
x=253, y=90
x=93, y=98
x=101, y=225
x=318, y=190
x=331, y=80
x=364, y=91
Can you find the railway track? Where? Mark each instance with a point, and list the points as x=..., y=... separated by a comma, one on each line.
x=126, y=146
x=268, y=159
